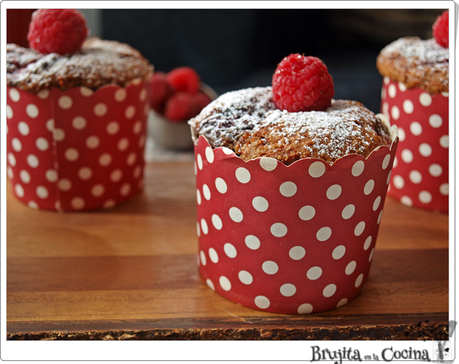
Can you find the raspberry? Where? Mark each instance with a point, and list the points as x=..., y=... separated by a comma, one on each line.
x=160, y=91
x=183, y=106
x=302, y=84
x=184, y=79
x=200, y=101
x=59, y=31
x=440, y=29
x=179, y=107
x=177, y=94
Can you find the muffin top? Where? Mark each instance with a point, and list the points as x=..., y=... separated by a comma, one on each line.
x=248, y=122
x=416, y=63
x=97, y=63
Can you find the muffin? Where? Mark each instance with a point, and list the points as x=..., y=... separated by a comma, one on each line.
x=76, y=125
x=414, y=97
x=289, y=203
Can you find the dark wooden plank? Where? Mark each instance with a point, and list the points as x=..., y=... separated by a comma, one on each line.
x=414, y=327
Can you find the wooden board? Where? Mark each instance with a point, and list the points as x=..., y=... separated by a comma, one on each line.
x=130, y=272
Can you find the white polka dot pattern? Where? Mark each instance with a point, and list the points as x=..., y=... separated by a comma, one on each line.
x=420, y=176
x=296, y=239
x=77, y=150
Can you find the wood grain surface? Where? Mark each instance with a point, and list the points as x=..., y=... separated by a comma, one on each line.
x=130, y=272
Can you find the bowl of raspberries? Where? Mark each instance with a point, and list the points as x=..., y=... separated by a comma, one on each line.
x=176, y=97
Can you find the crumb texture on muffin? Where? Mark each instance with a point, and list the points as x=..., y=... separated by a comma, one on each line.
x=247, y=122
x=416, y=63
x=97, y=63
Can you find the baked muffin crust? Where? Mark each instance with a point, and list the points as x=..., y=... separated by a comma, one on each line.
x=97, y=63
x=247, y=122
x=416, y=63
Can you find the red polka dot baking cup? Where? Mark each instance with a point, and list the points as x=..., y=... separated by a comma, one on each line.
x=79, y=149
x=288, y=239
x=420, y=172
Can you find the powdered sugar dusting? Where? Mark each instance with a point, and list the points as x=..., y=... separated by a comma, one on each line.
x=418, y=50
x=227, y=117
x=416, y=63
x=331, y=131
x=98, y=63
